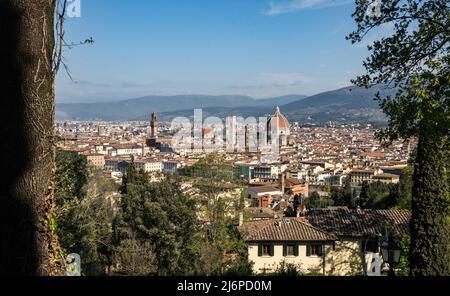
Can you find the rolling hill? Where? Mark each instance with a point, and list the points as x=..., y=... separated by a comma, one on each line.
x=354, y=104
x=349, y=104
x=141, y=107
x=271, y=102
x=132, y=108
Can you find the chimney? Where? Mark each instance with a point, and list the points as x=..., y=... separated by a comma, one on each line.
x=282, y=183
x=241, y=218
x=279, y=222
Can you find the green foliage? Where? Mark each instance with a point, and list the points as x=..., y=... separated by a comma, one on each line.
x=344, y=196
x=217, y=180
x=240, y=266
x=215, y=168
x=84, y=212
x=378, y=195
x=327, y=188
x=288, y=269
x=349, y=194
x=71, y=176
x=405, y=188
x=421, y=103
x=366, y=200
x=161, y=215
x=386, y=196
x=154, y=228
x=313, y=201
x=430, y=223
x=314, y=272
x=356, y=266
x=136, y=258
x=403, y=267
x=290, y=212
x=421, y=30
x=326, y=202
x=415, y=60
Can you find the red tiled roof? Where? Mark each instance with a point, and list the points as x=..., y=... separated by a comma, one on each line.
x=345, y=222
x=286, y=229
x=327, y=225
x=262, y=189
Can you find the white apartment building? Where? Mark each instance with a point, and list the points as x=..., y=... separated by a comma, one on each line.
x=149, y=165
x=125, y=149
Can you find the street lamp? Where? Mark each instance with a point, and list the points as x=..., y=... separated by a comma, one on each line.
x=391, y=253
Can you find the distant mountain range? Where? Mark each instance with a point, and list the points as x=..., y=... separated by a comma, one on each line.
x=349, y=104
x=139, y=107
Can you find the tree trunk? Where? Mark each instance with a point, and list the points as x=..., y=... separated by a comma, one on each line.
x=430, y=228
x=27, y=136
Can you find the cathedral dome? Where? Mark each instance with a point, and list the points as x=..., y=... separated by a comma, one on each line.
x=279, y=119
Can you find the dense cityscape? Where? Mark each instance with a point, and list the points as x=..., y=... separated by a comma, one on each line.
x=311, y=163
x=319, y=155
x=224, y=147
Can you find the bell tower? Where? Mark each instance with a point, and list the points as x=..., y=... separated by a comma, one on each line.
x=154, y=126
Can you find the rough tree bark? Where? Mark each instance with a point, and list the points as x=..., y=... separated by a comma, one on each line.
x=27, y=243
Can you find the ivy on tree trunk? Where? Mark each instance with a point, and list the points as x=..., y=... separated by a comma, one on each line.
x=27, y=150
x=430, y=231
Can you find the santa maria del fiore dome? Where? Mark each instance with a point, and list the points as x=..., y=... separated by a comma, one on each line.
x=278, y=119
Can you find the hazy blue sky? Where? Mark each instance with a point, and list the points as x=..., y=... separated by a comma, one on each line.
x=260, y=48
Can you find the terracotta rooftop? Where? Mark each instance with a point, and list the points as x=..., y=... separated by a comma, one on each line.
x=260, y=213
x=345, y=222
x=294, y=181
x=328, y=225
x=262, y=189
x=286, y=229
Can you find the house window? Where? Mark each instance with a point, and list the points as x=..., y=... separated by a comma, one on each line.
x=265, y=250
x=290, y=250
x=314, y=250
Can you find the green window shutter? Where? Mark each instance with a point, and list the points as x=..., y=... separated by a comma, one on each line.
x=260, y=250
x=296, y=250
x=272, y=251
x=319, y=250
x=308, y=250
x=284, y=250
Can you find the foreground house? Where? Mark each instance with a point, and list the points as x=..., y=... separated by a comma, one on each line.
x=333, y=241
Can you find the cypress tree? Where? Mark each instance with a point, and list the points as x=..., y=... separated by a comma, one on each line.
x=364, y=195
x=430, y=231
